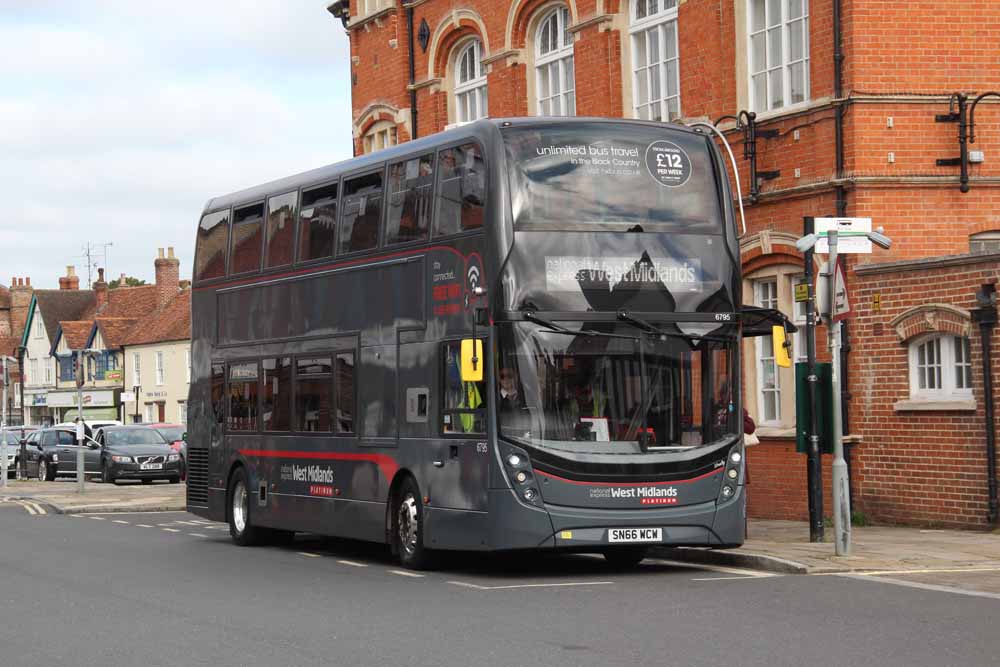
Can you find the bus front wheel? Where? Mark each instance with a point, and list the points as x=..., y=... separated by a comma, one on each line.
x=240, y=529
x=408, y=527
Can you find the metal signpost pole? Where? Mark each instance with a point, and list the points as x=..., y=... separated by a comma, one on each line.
x=814, y=469
x=79, y=425
x=841, y=483
x=3, y=431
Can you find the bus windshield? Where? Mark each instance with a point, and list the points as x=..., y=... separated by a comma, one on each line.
x=592, y=175
x=611, y=388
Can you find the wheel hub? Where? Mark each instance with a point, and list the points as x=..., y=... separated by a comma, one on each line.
x=240, y=507
x=407, y=524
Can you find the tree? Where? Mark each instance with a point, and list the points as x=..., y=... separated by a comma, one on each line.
x=129, y=282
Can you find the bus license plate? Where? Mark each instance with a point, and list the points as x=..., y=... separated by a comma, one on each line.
x=635, y=535
x=151, y=466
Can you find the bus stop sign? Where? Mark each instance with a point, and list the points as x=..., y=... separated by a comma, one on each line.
x=852, y=235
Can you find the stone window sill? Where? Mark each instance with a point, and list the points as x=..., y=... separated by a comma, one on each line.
x=774, y=432
x=926, y=404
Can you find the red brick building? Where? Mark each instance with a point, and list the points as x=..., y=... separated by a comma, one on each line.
x=848, y=131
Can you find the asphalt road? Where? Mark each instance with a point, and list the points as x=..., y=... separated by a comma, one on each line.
x=171, y=589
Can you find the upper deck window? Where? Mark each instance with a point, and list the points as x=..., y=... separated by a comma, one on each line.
x=410, y=186
x=362, y=210
x=210, y=255
x=247, y=242
x=280, y=229
x=318, y=223
x=588, y=175
x=461, y=191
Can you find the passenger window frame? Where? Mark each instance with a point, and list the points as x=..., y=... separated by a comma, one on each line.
x=359, y=173
x=443, y=385
x=225, y=252
x=262, y=222
x=437, y=187
x=339, y=182
x=295, y=230
x=384, y=233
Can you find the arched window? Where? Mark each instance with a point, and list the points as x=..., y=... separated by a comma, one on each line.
x=985, y=242
x=470, y=84
x=380, y=135
x=655, y=60
x=555, y=83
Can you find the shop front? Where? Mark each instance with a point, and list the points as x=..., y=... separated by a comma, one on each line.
x=97, y=404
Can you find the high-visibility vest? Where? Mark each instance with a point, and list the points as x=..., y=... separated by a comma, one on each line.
x=597, y=410
x=472, y=401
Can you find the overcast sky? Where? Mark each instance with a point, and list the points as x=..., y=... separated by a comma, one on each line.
x=119, y=119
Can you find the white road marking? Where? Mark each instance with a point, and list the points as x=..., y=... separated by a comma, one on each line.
x=197, y=535
x=927, y=587
x=97, y=518
x=404, y=573
x=351, y=563
x=124, y=523
x=143, y=525
x=170, y=530
x=310, y=555
x=943, y=570
x=713, y=568
x=26, y=507
x=563, y=584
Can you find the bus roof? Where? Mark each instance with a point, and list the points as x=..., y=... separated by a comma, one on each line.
x=481, y=130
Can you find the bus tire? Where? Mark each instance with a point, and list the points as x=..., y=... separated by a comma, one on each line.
x=625, y=558
x=408, y=527
x=241, y=528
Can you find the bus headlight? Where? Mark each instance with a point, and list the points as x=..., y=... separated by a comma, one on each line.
x=518, y=468
x=521, y=477
x=735, y=457
x=733, y=473
x=530, y=495
x=514, y=460
x=727, y=492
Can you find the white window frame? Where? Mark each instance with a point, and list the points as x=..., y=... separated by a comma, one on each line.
x=33, y=375
x=159, y=368
x=39, y=329
x=182, y=412
x=661, y=22
x=984, y=242
x=777, y=67
x=764, y=354
x=471, y=102
x=558, y=63
x=136, y=375
x=47, y=363
x=152, y=413
x=949, y=364
x=382, y=134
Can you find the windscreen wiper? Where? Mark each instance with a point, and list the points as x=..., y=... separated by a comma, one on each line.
x=650, y=328
x=555, y=328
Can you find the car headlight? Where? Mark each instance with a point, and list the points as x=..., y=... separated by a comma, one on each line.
x=55, y=458
x=174, y=457
x=122, y=459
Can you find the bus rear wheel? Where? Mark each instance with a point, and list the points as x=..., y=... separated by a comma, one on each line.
x=243, y=532
x=408, y=528
x=625, y=558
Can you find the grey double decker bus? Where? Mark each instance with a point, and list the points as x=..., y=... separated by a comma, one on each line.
x=516, y=334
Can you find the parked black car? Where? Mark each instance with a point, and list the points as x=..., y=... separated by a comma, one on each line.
x=56, y=449
x=15, y=434
x=136, y=452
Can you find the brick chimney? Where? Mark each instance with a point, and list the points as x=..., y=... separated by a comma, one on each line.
x=20, y=301
x=100, y=290
x=70, y=280
x=168, y=277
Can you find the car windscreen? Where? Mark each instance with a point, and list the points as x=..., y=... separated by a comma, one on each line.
x=12, y=438
x=133, y=436
x=599, y=175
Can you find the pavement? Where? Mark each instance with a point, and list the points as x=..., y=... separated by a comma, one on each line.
x=170, y=588
x=784, y=547
x=62, y=497
x=780, y=547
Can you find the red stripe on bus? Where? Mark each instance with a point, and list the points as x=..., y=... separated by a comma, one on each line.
x=386, y=463
x=681, y=481
x=318, y=268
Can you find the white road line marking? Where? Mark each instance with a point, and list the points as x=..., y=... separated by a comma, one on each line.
x=78, y=516
x=143, y=525
x=553, y=585
x=404, y=573
x=97, y=518
x=197, y=535
x=712, y=568
x=351, y=563
x=310, y=555
x=170, y=530
x=124, y=523
x=942, y=570
x=928, y=587
x=26, y=507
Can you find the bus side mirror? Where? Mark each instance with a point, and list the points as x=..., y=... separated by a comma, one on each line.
x=471, y=360
x=781, y=345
